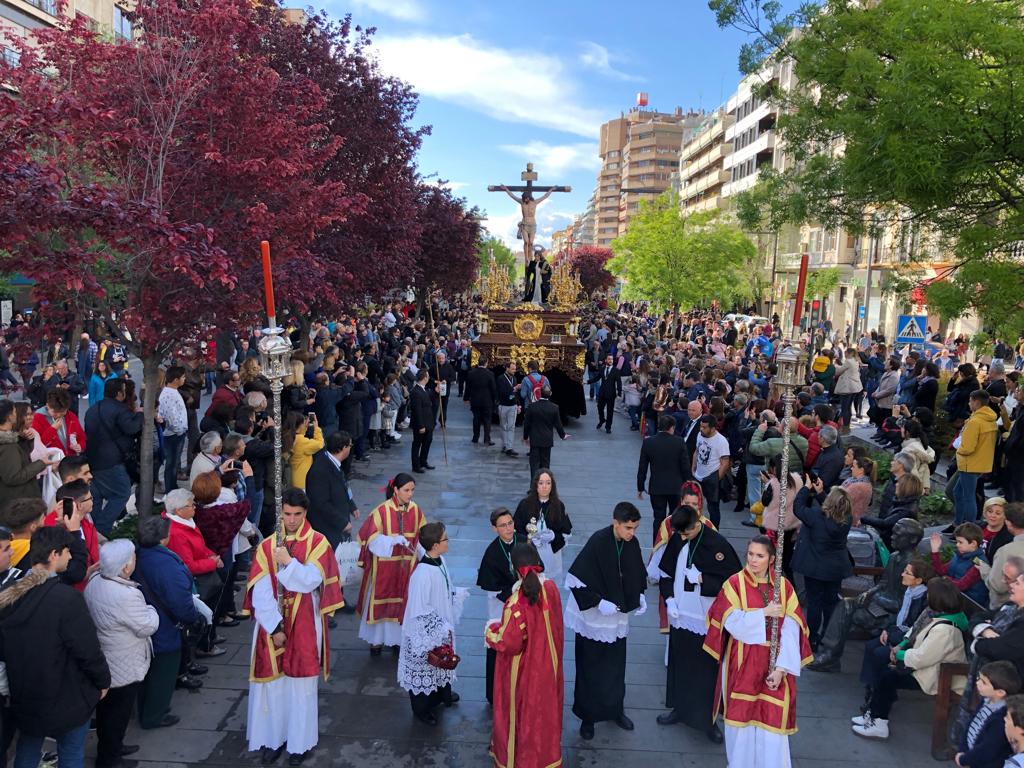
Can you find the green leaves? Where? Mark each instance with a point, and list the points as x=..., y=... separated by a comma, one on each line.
x=908, y=110
x=691, y=261
x=490, y=245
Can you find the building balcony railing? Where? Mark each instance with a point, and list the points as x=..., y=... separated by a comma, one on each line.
x=704, y=182
x=715, y=155
x=701, y=204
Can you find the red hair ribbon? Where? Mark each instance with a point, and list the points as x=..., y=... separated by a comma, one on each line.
x=528, y=569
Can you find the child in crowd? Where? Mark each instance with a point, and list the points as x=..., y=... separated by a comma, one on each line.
x=1013, y=725
x=984, y=743
x=962, y=568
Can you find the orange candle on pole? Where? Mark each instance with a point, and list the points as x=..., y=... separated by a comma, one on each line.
x=268, y=282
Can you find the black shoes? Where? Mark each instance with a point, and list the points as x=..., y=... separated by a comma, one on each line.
x=586, y=730
x=510, y=452
x=600, y=424
x=228, y=622
x=624, y=723
x=714, y=734
x=669, y=718
x=129, y=749
x=347, y=609
x=419, y=471
x=198, y=669
x=376, y=650
x=331, y=623
x=453, y=700
x=188, y=683
x=429, y=466
x=427, y=718
x=297, y=759
x=269, y=756
x=489, y=443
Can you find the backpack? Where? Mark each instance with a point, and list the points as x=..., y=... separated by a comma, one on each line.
x=536, y=385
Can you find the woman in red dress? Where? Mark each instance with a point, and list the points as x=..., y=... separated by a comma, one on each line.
x=528, y=678
x=758, y=702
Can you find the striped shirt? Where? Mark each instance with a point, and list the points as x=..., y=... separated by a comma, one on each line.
x=986, y=710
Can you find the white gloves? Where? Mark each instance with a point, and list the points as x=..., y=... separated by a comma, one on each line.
x=545, y=537
x=607, y=608
x=398, y=540
x=461, y=593
x=692, y=574
x=673, y=608
x=643, y=606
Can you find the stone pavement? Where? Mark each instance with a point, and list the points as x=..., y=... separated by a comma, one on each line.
x=365, y=718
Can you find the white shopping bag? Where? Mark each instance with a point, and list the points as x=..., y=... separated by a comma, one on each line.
x=346, y=554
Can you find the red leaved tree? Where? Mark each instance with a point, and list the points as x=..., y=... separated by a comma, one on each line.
x=372, y=250
x=590, y=264
x=446, y=257
x=171, y=156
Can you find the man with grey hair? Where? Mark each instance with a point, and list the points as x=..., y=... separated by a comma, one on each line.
x=209, y=457
x=442, y=372
x=829, y=463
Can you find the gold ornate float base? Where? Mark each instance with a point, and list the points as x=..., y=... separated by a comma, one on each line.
x=529, y=332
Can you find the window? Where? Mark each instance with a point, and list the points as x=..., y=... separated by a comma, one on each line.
x=10, y=56
x=49, y=6
x=612, y=166
x=122, y=27
x=614, y=153
x=90, y=22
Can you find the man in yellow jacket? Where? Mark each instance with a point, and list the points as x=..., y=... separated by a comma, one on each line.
x=975, y=452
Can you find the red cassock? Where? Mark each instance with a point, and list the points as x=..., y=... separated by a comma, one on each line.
x=741, y=693
x=300, y=656
x=386, y=579
x=528, y=682
x=661, y=537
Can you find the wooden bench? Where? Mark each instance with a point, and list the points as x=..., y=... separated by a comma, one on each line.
x=946, y=698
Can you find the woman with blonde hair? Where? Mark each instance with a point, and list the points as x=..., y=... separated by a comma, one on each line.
x=821, y=554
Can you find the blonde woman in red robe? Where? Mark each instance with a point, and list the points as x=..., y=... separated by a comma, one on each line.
x=528, y=681
x=390, y=547
x=692, y=496
x=758, y=703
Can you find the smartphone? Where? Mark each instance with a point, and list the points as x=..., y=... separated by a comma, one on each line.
x=69, y=508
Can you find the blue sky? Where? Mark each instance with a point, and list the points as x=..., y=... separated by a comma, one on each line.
x=506, y=83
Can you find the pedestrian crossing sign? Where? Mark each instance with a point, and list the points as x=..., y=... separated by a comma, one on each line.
x=910, y=329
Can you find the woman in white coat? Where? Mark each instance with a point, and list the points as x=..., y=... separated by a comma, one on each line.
x=124, y=624
x=848, y=385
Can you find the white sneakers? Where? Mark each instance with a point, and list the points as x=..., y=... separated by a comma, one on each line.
x=872, y=728
x=395, y=436
x=861, y=719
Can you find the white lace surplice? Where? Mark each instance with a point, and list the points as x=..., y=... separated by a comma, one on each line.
x=432, y=610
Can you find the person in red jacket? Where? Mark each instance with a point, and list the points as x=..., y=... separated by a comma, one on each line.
x=186, y=540
x=58, y=426
x=83, y=542
x=823, y=415
x=229, y=393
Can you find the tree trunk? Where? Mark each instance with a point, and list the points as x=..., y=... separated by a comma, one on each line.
x=150, y=383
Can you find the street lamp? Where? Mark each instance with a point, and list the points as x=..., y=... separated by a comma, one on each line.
x=790, y=365
x=275, y=356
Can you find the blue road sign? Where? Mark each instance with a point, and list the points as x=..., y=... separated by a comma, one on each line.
x=860, y=312
x=910, y=329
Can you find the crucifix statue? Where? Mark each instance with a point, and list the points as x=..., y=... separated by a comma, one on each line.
x=528, y=226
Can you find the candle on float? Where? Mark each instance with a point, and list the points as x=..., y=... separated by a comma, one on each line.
x=268, y=281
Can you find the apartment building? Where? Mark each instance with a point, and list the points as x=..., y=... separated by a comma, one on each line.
x=702, y=172
x=20, y=18
x=639, y=155
x=584, y=230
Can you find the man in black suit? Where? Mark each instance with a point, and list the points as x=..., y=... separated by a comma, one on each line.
x=688, y=428
x=331, y=506
x=481, y=394
x=669, y=463
x=422, y=418
x=609, y=388
x=540, y=422
x=442, y=372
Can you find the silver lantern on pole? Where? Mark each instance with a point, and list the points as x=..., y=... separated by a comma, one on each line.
x=275, y=357
x=790, y=364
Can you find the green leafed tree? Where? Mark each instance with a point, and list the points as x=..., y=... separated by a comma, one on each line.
x=490, y=246
x=909, y=110
x=687, y=261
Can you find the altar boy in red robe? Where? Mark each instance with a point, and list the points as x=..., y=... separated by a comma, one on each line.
x=528, y=679
x=290, y=650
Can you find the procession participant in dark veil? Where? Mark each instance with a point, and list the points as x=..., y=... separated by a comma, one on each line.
x=551, y=524
x=607, y=581
x=696, y=563
x=496, y=577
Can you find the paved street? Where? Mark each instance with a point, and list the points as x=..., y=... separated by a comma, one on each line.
x=365, y=718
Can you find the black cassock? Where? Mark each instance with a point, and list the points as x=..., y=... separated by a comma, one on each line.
x=692, y=672
x=496, y=574
x=612, y=571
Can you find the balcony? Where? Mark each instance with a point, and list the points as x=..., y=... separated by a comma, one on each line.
x=715, y=155
x=701, y=204
x=705, y=182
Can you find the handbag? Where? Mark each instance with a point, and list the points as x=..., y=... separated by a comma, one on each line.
x=443, y=656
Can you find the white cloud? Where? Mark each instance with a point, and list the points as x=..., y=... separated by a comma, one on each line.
x=454, y=186
x=403, y=10
x=553, y=159
x=599, y=59
x=516, y=86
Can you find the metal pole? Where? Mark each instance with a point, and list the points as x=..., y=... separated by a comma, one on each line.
x=775, y=261
x=872, y=256
x=276, y=387
x=780, y=528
